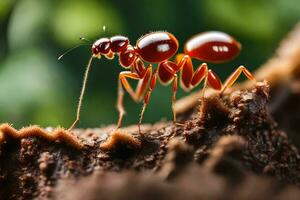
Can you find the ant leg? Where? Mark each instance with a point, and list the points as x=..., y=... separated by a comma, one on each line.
x=123, y=79
x=198, y=76
x=175, y=87
x=81, y=94
x=186, y=71
x=188, y=77
x=147, y=98
x=214, y=80
x=167, y=72
x=234, y=76
x=135, y=95
x=120, y=106
x=204, y=87
x=143, y=83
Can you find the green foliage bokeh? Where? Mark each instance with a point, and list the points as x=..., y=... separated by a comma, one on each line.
x=36, y=88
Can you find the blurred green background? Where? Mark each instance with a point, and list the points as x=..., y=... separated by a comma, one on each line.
x=36, y=88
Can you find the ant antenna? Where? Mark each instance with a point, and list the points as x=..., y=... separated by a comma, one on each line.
x=85, y=39
x=62, y=55
x=71, y=49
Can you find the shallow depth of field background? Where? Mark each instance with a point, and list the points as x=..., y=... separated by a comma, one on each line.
x=36, y=88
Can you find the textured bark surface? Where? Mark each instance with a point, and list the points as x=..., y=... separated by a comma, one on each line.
x=228, y=148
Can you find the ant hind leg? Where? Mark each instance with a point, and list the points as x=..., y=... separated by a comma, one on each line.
x=234, y=76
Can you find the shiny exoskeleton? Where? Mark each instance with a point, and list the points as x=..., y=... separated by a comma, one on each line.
x=158, y=48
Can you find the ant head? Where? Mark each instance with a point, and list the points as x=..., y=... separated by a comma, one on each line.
x=104, y=46
x=101, y=46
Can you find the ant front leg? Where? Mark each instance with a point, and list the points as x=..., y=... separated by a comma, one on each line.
x=234, y=76
x=135, y=95
x=86, y=74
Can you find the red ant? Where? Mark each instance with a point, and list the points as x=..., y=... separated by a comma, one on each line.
x=159, y=47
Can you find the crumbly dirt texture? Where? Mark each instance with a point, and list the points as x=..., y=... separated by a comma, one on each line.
x=226, y=148
x=241, y=145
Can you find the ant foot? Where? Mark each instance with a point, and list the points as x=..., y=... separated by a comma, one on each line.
x=178, y=123
x=139, y=130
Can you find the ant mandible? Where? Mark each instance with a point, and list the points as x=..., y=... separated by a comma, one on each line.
x=159, y=47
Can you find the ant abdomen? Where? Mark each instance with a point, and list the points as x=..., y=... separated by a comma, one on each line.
x=213, y=46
